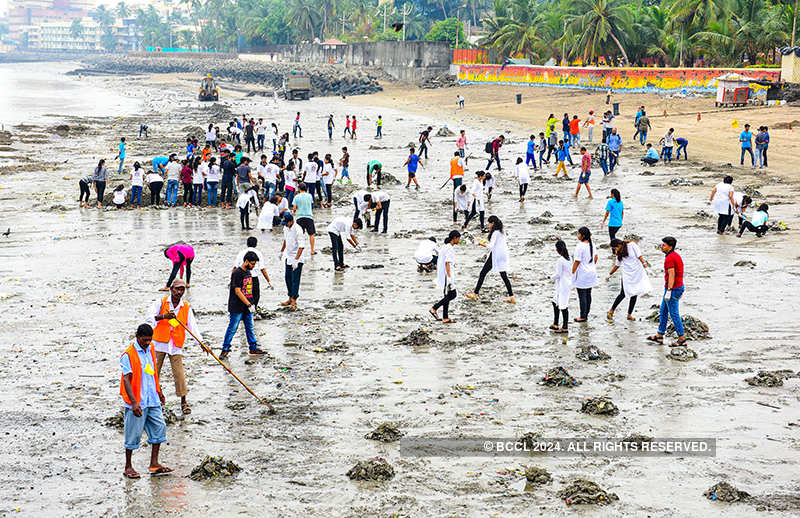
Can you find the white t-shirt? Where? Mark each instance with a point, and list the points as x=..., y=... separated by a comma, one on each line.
x=586, y=274
x=119, y=197
x=200, y=173
x=137, y=178
x=289, y=178
x=283, y=206
x=722, y=200
x=245, y=198
x=522, y=173
x=359, y=197
x=213, y=173
x=425, y=251
x=261, y=129
x=311, y=172
x=240, y=259
x=463, y=201
x=379, y=196
x=669, y=139
x=211, y=135
x=447, y=254
x=154, y=178
x=271, y=172
x=328, y=174
x=174, y=170
x=295, y=239
x=341, y=226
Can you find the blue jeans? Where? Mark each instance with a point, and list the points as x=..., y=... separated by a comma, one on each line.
x=197, y=197
x=345, y=173
x=457, y=182
x=380, y=129
x=494, y=158
x=290, y=196
x=212, y=193
x=752, y=158
x=682, y=147
x=530, y=159
x=667, y=154
x=121, y=161
x=612, y=161
x=604, y=166
x=269, y=190
x=136, y=194
x=541, y=156
x=642, y=137
x=172, y=192
x=152, y=421
x=233, y=326
x=760, y=156
x=261, y=142
x=292, y=277
x=670, y=307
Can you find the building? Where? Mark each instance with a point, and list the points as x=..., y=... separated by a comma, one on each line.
x=25, y=16
x=63, y=36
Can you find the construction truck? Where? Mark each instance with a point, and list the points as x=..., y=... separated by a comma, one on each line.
x=297, y=87
x=208, y=89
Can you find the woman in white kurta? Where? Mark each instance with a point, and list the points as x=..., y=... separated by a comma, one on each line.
x=563, y=288
x=523, y=177
x=584, y=272
x=496, y=261
x=634, y=279
x=476, y=205
x=722, y=200
x=445, y=277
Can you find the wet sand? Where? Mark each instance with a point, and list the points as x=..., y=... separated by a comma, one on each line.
x=76, y=283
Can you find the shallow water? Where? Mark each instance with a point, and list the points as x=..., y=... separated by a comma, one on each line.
x=76, y=283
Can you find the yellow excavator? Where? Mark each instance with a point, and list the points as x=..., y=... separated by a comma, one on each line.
x=208, y=89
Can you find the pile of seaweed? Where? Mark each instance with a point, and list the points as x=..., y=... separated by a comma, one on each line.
x=559, y=377
x=583, y=491
x=599, y=406
x=386, y=432
x=377, y=469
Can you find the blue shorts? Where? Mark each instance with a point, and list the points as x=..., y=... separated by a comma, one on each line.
x=152, y=422
x=584, y=177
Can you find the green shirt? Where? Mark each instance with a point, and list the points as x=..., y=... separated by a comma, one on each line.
x=371, y=165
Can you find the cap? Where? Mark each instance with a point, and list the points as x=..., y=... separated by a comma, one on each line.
x=591, y=112
x=178, y=283
x=286, y=218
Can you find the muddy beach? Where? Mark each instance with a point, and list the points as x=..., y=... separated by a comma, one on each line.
x=76, y=283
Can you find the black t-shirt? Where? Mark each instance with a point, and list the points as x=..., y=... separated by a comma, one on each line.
x=248, y=131
x=228, y=169
x=424, y=136
x=240, y=278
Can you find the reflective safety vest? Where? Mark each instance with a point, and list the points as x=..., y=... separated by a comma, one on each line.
x=136, y=374
x=164, y=330
x=456, y=169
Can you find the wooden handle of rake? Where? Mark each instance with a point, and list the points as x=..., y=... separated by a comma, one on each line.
x=209, y=351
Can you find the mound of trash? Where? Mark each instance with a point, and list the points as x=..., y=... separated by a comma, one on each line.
x=681, y=354
x=214, y=467
x=417, y=338
x=583, y=491
x=559, y=377
x=377, y=469
x=591, y=353
x=694, y=328
x=537, y=476
x=564, y=226
x=770, y=378
x=444, y=131
x=445, y=80
x=748, y=263
x=386, y=432
x=684, y=182
x=599, y=406
x=539, y=220
x=638, y=439
x=724, y=492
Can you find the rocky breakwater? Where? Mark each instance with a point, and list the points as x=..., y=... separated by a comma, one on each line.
x=326, y=79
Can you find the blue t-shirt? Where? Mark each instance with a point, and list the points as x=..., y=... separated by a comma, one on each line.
x=746, y=139
x=149, y=395
x=122, y=150
x=614, y=209
x=303, y=202
x=562, y=155
x=413, y=163
x=681, y=141
x=159, y=160
x=651, y=153
x=531, y=146
x=614, y=142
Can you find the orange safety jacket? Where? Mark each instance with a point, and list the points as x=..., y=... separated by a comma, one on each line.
x=456, y=169
x=136, y=374
x=164, y=329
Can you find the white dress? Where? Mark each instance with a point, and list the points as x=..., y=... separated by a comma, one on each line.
x=499, y=249
x=447, y=254
x=634, y=277
x=563, y=282
x=523, y=174
x=722, y=200
x=586, y=274
x=477, y=192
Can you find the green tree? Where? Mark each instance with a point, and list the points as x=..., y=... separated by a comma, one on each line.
x=76, y=29
x=599, y=22
x=446, y=30
x=122, y=10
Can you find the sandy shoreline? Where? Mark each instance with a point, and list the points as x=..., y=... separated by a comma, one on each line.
x=76, y=282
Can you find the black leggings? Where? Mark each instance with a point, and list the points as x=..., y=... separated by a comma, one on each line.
x=188, y=192
x=226, y=194
x=523, y=188
x=620, y=297
x=564, y=316
x=384, y=213
x=176, y=267
x=487, y=266
x=337, y=250
x=101, y=189
x=244, y=216
x=84, y=190
x=445, y=302
x=472, y=214
x=723, y=220
x=155, y=193
x=759, y=230
x=584, y=301
x=612, y=232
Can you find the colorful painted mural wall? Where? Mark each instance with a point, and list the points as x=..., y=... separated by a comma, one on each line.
x=620, y=79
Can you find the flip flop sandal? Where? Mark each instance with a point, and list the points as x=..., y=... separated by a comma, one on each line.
x=433, y=314
x=186, y=409
x=160, y=471
x=134, y=476
x=655, y=338
x=632, y=319
x=554, y=327
x=561, y=331
x=678, y=343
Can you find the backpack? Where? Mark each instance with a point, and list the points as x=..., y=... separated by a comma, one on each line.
x=488, y=147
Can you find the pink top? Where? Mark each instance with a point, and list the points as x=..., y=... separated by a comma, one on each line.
x=186, y=250
x=461, y=142
x=586, y=162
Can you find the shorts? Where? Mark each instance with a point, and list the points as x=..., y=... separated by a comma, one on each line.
x=584, y=177
x=152, y=422
x=307, y=224
x=411, y=175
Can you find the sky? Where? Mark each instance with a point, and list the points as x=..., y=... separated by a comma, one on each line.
x=4, y=4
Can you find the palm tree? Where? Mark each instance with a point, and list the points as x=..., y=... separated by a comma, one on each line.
x=601, y=20
x=122, y=10
x=302, y=15
x=102, y=16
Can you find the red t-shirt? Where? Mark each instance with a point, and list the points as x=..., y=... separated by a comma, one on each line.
x=673, y=260
x=573, y=126
x=354, y=124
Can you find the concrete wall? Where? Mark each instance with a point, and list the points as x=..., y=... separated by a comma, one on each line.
x=621, y=79
x=403, y=60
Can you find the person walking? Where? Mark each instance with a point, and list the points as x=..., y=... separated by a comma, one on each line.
x=412, y=163
x=445, y=277
x=344, y=163
x=589, y=124
x=530, y=152
x=561, y=156
x=523, y=177
x=552, y=144
x=496, y=261
x=634, y=277
x=722, y=200
x=602, y=153
x=181, y=256
x=99, y=179
x=563, y=288
x=293, y=255
x=240, y=300
x=586, y=173
x=643, y=127
x=673, y=291
x=331, y=126
x=302, y=207
x=424, y=141
x=342, y=228
x=259, y=267
x=296, y=127
x=456, y=170
x=575, y=131
x=121, y=154
x=346, y=126
x=542, y=147
x=461, y=144
x=494, y=151
x=476, y=204
x=142, y=397
x=584, y=272
x=169, y=336
x=353, y=135
x=614, y=142
x=615, y=210
x=379, y=127
x=746, y=141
